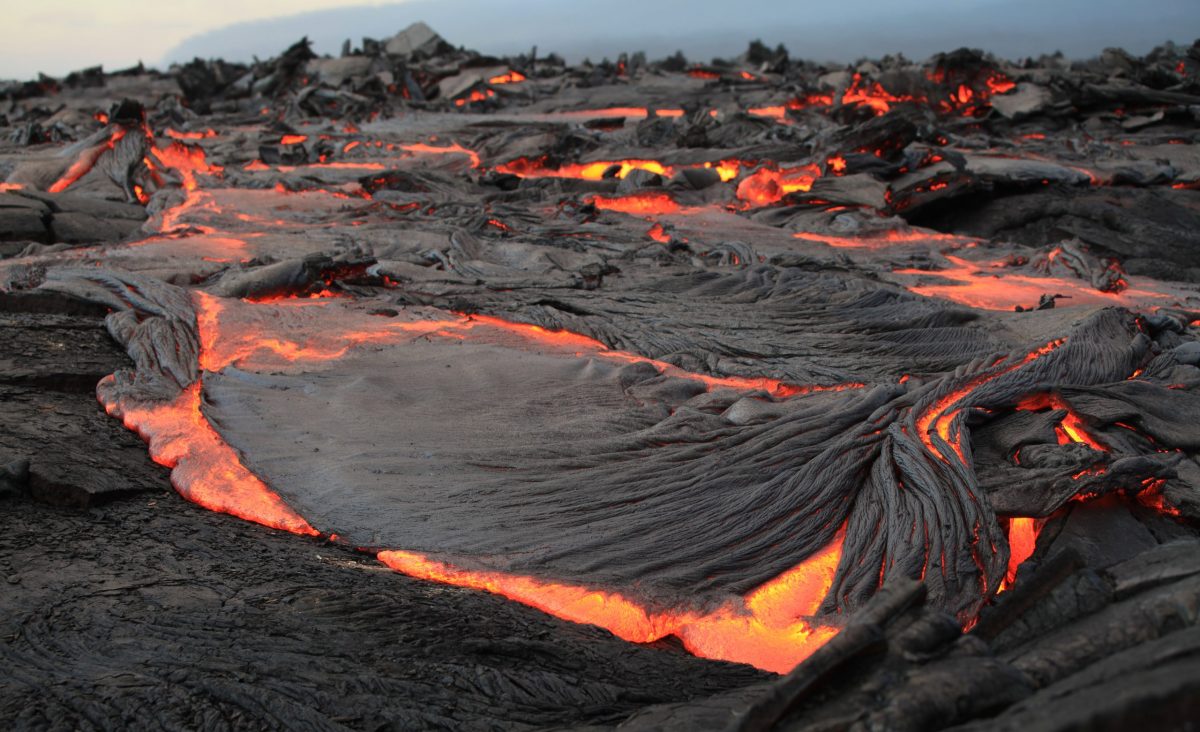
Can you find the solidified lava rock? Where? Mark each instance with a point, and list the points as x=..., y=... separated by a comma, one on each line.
x=767, y=360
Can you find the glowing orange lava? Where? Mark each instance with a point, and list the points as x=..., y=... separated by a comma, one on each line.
x=620, y=112
x=477, y=95
x=177, y=135
x=658, y=234
x=639, y=204
x=420, y=147
x=767, y=629
x=940, y=415
x=1070, y=429
x=204, y=469
x=768, y=184
x=537, y=168
x=1022, y=540
x=883, y=239
x=989, y=287
x=85, y=163
x=512, y=77
x=1152, y=497
x=187, y=161
x=873, y=95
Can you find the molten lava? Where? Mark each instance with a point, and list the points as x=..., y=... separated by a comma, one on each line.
x=659, y=234
x=422, y=148
x=639, y=204
x=1022, y=540
x=941, y=414
x=187, y=161
x=177, y=135
x=526, y=167
x=1071, y=428
x=538, y=168
x=85, y=162
x=768, y=184
x=512, y=77
x=766, y=629
x=990, y=287
x=477, y=95
x=883, y=239
x=621, y=112
x=204, y=469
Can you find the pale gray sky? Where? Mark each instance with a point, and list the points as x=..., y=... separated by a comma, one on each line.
x=57, y=36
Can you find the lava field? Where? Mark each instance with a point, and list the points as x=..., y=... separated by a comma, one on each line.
x=758, y=394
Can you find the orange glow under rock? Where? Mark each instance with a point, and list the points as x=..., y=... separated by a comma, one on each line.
x=620, y=112
x=475, y=96
x=1022, y=540
x=872, y=95
x=1071, y=428
x=637, y=203
x=526, y=167
x=1151, y=496
x=659, y=234
x=537, y=168
x=768, y=185
x=512, y=77
x=940, y=415
x=177, y=135
x=768, y=630
x=187, y=161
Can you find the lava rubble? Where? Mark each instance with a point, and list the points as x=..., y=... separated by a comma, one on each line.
x=884, y=379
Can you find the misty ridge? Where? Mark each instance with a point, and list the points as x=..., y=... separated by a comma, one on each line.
x=839, y=32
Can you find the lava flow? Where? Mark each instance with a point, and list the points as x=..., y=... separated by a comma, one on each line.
x=526, y=167
x=243, y=338
x=767, y=628
x=768, y=184
x=639, y=204
x=884, y=239
x=85, y=162
x=608, y=341
x=941, y=414
x=991, y=287
x=204, y=469
x=1071, y=428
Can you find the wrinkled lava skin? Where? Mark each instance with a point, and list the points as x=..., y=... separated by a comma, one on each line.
x=667, y=395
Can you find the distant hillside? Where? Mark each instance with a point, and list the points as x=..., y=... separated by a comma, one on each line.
x=839, y=31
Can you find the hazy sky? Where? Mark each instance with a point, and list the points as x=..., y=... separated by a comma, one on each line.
x=57, y=36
